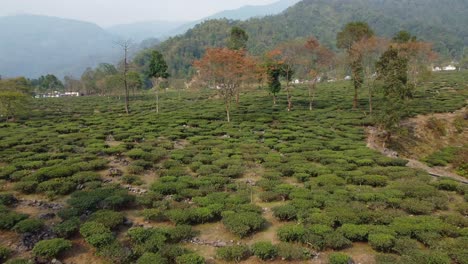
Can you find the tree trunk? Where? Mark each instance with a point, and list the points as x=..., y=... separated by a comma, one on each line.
x=355, y=101
x=228, y=103
x=157, y=100
x=274, y=99
x=127, y=104
x=370, y=100
x=289, y=97
x=311, y=96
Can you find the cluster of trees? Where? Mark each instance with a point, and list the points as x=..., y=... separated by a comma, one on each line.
x=397, y=66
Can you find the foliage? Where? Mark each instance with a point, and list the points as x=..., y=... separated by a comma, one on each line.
x=235, y=253
x=190, y=259
x=264, y=250
x=51, y=248
x=338, y=258
x=30, y=225
x=243, y=223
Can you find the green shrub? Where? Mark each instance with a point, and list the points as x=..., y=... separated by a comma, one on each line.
x=447, y=185
x=7, y=199
x=243, y=223
x=51, y=248
x=264, y=250
x=405, y=246
x=19, y=261
x=290, y=252
x=29, y=226
x=291, y=233
x=180, y=232
x=337, y=241
x=108, y=218
x=26, y=187
x=382, y=242
x=67, y=228
x=151, y=258
x=235, y=253
x=96, y=234
x=190, y=259
x=338, y=258
x=354, y=232
x=4, y=253
x=153, y=215
x=416, y=206
x=285, y=212
x=9, y=219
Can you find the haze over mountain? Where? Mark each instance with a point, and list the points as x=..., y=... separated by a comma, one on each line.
x=35, y=45
x=164, y=29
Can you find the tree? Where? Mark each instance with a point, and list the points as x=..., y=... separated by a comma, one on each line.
x=352, y=33
x=392, y=71
x=135, y=82
x=403, y=37
x=125, y=46
x=72, y=85
x=291, y=57
x=319, y=60
x=157, y=71
x=48, y=83
x=225, y=70
x=238, y=40
x=88, y=81
x=368, y=51
x=419, y=56
x=14, y=97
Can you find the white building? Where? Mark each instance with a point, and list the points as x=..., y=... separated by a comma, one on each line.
x=450, y=68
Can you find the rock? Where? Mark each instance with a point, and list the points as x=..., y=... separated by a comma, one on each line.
x=56, y=261
x=47, y=216
x=220, y=244
x=127, y=222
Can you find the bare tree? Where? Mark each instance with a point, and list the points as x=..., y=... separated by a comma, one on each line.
x=125, y=46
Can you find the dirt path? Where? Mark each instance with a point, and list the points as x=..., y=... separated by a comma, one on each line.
x=374, y=142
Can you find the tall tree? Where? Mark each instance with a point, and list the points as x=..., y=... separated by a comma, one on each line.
x=238, y=39
x=319, y=60
x=48, y=83
x=125, y=46
x=352, y=33
x=392, y=70
x=225, y=70
x=368, y=52
x=157, y=71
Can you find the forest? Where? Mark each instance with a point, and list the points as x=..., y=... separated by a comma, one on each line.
x=241, y=151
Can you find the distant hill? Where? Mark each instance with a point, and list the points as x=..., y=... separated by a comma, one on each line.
x=144, y=30
x=33, y=45
x=242, y=13
x=165, y=29
x=444, y=23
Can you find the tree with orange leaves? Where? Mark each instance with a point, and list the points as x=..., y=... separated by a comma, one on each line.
x=319, y=59
x=225, y=70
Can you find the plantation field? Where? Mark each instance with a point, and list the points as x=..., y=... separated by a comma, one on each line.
x=185, y=186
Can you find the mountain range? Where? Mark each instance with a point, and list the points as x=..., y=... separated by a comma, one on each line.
x=33, y=45
x=444, y=23
x=36, y=45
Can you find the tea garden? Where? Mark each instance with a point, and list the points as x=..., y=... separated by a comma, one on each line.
x=310, y=170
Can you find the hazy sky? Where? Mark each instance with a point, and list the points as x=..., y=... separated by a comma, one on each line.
x=111, y=12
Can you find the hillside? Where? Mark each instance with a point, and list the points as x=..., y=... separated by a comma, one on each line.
x=35, y=45
x=442, y=23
